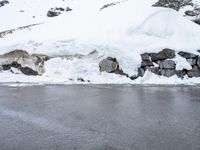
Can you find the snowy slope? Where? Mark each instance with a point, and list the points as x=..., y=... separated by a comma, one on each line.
x=123, y=31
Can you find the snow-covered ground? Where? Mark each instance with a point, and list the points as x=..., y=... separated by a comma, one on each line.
x=124, y=31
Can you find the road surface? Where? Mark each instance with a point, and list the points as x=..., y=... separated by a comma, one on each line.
x=100, y=117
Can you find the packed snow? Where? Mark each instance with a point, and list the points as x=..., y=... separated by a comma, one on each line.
x=124, y=31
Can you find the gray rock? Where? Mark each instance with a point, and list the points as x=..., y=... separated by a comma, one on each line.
x=6, y=66
x=28, y=71
x=192, y=61
x=187, y=55
x=51, y=13
x=197, y=21
x=147, y=64
x=167, y=64
x=162, y=55
x=109, y=65
x=155, y=70
x=68, y=9
x=191, y=13
x=168, y=72
x=198, y=62
x=145, y=57
x=181, y=73
x=195, y=72
x=141, y=72
x=198, y=51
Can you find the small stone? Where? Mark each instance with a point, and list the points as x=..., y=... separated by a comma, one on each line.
x=192, y=61
x=134, y=77
x=68, y=9
x=51, y=13
x=195, y=72
x=167, y=64
x=187, y=55
x=168, y=72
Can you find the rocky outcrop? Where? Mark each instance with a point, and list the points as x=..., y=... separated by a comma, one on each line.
x=174, y=4
x=109, y=5
x=53, y=12
x=165, y=66
x=162, y=55
x=192, y=12
x=6, y=32
x=22, y=60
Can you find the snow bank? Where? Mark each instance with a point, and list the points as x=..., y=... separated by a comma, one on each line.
x=124, y=31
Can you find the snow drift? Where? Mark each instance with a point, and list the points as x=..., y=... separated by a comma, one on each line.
x=124, y=30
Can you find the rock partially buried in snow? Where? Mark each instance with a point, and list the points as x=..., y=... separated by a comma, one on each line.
x=109, y=65
x=192, y=61
x=187, y=55
x=168, y=72
x=145, y=57
x=195, y=72
x=28, y=64
x=167, y=64
x=2, y=3
x=162, y=55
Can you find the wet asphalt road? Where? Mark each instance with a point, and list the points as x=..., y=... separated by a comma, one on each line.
x=100, y=117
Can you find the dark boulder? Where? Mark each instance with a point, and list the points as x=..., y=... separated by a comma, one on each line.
x=197, y=21
x=195, y=72
x=2, y=3
x=187, y=55
x=162, y=55
x=51, y=13
x=28, y=71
